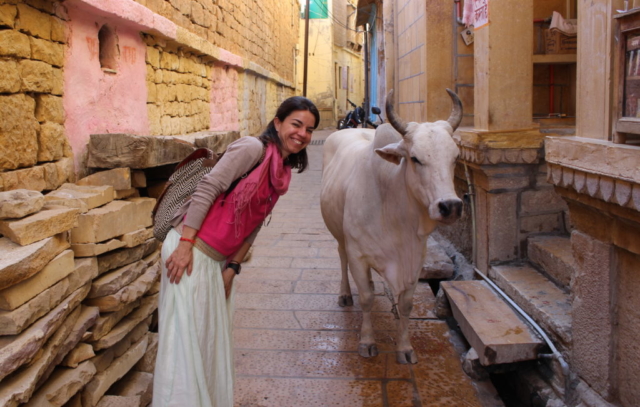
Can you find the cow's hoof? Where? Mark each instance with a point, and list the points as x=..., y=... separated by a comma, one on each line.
x=368, y=350
x=345, y=301
x=406, y=356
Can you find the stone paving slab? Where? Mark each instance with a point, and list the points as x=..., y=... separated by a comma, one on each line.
x=294, y=346
x=277, y=392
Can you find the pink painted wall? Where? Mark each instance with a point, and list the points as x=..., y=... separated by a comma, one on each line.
x=96, y=101
x=223, y=107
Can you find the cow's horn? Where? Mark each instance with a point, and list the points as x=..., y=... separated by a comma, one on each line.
x=396, y=121
x=456, y=111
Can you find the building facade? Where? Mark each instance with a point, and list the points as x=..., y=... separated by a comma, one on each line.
x=335, y=64
x=548, y=165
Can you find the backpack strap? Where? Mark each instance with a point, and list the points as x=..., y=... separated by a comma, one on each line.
x=234, y=184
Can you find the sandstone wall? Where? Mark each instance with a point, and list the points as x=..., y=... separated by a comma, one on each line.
x=209, y=66
x=179, y=89
x=32, y=43
x=264, y=31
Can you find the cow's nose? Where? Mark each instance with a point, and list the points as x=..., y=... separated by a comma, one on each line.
x=450, y=208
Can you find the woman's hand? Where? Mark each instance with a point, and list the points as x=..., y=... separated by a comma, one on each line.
x=180, y=260
x=227, y=277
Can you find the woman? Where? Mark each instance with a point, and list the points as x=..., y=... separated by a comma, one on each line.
x=211, y=235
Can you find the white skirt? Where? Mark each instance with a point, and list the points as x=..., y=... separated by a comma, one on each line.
x=194, y=366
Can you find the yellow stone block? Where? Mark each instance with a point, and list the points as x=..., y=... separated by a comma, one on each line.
x=51, y=142
x=34, y=22
x=49, y=108
x=29, y=178
x=10, y=79
x=37, y=76
x=47, y=51
x=14, y=44
x=39, y=226
x=18, y=129
x=57, y=269
x=57, y=83
x=8, y=15
x=59, y=30
x=114, y=219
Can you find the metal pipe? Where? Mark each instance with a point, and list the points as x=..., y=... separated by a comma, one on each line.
x=458, y=11
x=552, y=107
x=306, y=49
x=365, y=103
x=471, y=195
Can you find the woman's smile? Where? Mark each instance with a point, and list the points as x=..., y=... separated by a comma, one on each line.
x=295, y=131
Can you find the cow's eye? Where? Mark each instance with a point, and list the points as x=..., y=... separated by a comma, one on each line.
x=415, y=160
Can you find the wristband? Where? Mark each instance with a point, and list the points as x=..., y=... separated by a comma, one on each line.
x=234, y=266
x=184, y=239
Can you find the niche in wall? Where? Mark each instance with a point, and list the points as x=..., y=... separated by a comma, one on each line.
x=108, y=48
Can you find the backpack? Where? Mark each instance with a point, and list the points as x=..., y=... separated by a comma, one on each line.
x=182, y=184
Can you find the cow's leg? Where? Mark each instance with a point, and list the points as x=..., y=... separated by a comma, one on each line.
x=360, y=273
x=405, y=353
x=371, y=285
x=345, y=299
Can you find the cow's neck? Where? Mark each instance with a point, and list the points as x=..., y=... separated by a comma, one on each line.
x=399, y=199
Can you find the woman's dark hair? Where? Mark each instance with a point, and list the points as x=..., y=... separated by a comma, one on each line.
x=270, y=135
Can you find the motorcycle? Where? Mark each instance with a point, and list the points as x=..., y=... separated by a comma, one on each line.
x=357, y=117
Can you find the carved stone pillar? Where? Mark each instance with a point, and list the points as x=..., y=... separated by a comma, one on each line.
x=512, y=197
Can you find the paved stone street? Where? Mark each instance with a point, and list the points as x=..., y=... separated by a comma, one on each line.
x=294, y=346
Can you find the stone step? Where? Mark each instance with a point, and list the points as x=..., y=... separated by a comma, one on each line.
x=539, y=297
x=554, y=255
x=493, y=329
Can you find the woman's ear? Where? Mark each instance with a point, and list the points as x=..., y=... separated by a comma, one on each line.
x=277, y=123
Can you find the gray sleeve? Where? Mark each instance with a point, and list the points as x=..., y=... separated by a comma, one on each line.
x=241, y=156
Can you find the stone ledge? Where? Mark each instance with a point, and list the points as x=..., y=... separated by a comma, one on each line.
x=143, y=19
x=491, y=148
x=106, y=150
x=599, y=157
x=596, y=168
x=138, y=15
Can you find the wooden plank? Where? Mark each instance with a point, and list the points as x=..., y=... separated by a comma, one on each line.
x=492, y=328
x=554, y=58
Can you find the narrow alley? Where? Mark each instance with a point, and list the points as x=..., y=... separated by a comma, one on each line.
x=294, y=346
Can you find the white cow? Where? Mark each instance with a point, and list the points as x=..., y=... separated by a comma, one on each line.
x=383, y=192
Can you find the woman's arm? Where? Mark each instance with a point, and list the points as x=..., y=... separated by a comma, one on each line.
x=241, y=155
x=181, y=259
x=229, y=274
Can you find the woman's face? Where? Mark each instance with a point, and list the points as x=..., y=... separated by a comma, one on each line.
x=295, y=131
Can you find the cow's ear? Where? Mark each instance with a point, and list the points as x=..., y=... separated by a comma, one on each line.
x=391, y=152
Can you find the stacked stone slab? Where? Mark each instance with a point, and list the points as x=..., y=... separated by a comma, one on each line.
x=41, y=290
x=118, y=234
x=79, y=283
x=151, y=159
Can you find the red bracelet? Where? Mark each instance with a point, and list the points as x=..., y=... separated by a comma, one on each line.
x=184, y=239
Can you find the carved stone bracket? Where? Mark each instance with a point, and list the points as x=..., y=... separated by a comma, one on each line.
x=488, y=156
x=606, y=188
x=596, y=168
